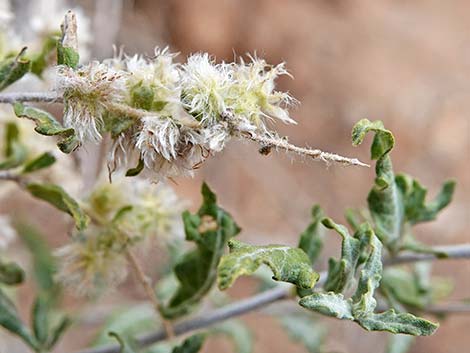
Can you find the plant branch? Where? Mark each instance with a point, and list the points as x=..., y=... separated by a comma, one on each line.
x=280, y=293
x=460, y=251
x=266, y=142
x=45, y=97
x=147, y=285
x=279, y=143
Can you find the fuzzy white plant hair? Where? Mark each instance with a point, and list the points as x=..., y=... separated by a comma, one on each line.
x=205, y=87
x=86, y=92
x=253, y=95
x=158, y=137
x=86, y=267
x=170, y=149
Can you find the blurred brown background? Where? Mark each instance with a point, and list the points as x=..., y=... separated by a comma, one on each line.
x=404, y=62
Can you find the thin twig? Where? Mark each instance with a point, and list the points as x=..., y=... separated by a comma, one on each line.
x=147, y=285
x=279, y=143
x=46, y=97
x=460, y=251
x=270, y=296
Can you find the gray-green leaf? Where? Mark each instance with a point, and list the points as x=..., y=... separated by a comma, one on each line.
x=210, y=229
x=192, y=344
x=341, y=272
x=43, y=161
x=330, y=304
x=384, y=200
x=14, y=151
x=414, y=195
x=10, y=320
x=397, y=323
x=287, y=264
x=40, y=322
x=59, y=198
x=47, y=125
x=11, y=273
x=14, y=68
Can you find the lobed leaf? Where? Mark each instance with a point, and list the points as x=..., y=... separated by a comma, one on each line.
x=59, y=198
x=287, y=264
x=361, y=306
x=341, y=272
x=330, y=304
x=209, y=229
x=414, y=195
x=397, y=323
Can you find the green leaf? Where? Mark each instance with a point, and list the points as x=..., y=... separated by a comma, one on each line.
x=10, y=320
x=209, y=229
x=383, y=140
x=238, y=333
x=330, y=304
x=14, y=151
x=399, y=343
x=414, y=195
x=117, y=124
x=384, y=200
x=43, y=161
x=46, y=124
x=68, y=144
x=58, y=198
x=67, y=56
x=192, y=344
x=311, y=239
x=136, y=170
x=361, y=306
x=44, y=263
x=67, y=46
x=306, y=330
x=58, y=331
x=142, y=96
x=39, y=61
x=126, y=347
x=14, y=68
x=11, y=273
x=341, y=272
x=40, y=322
x=397, y=323
x=287, y=264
